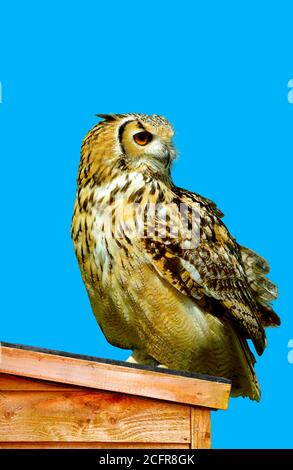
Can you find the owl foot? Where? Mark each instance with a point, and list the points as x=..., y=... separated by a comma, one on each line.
x=140, y=357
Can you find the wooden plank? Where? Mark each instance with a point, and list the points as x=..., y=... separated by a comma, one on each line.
x=200, y=428
x=90, y=416
x=92, y=445
x=16, y=382
x=147, y=383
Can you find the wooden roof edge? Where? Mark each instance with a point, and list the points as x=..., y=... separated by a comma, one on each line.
x=116, y=362
x=116, y=376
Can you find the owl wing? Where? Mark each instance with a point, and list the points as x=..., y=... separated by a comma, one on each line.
x=206, y=266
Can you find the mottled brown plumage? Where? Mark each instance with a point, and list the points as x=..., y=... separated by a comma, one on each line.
x=164, y=276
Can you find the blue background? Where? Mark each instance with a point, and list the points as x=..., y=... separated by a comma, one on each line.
x=219, y=72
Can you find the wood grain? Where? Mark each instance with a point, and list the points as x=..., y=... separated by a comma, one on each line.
x=91, y=445
x=116, y=378
x=90, y=416
x=200, y=428
x=16, y=382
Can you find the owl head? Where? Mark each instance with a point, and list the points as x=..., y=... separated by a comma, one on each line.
x=127, y=142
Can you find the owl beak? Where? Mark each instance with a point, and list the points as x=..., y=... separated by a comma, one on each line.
x=168, y=153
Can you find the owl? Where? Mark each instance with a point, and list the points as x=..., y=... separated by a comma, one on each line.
x=164, y=276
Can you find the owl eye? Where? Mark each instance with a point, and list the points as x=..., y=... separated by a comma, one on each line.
x=142, y=138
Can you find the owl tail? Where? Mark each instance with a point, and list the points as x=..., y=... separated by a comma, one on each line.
x=244, y=380
x=222, y=351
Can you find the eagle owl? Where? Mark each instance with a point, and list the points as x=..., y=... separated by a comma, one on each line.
x=163, y=274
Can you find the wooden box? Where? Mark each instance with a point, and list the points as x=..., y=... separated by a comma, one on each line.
x=50, y=399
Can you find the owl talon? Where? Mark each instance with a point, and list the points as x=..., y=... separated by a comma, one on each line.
x=139, y=357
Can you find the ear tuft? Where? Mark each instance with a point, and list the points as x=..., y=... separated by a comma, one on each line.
x=107, y=117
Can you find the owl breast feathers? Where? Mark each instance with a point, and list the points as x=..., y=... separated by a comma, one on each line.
x=163, y=274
